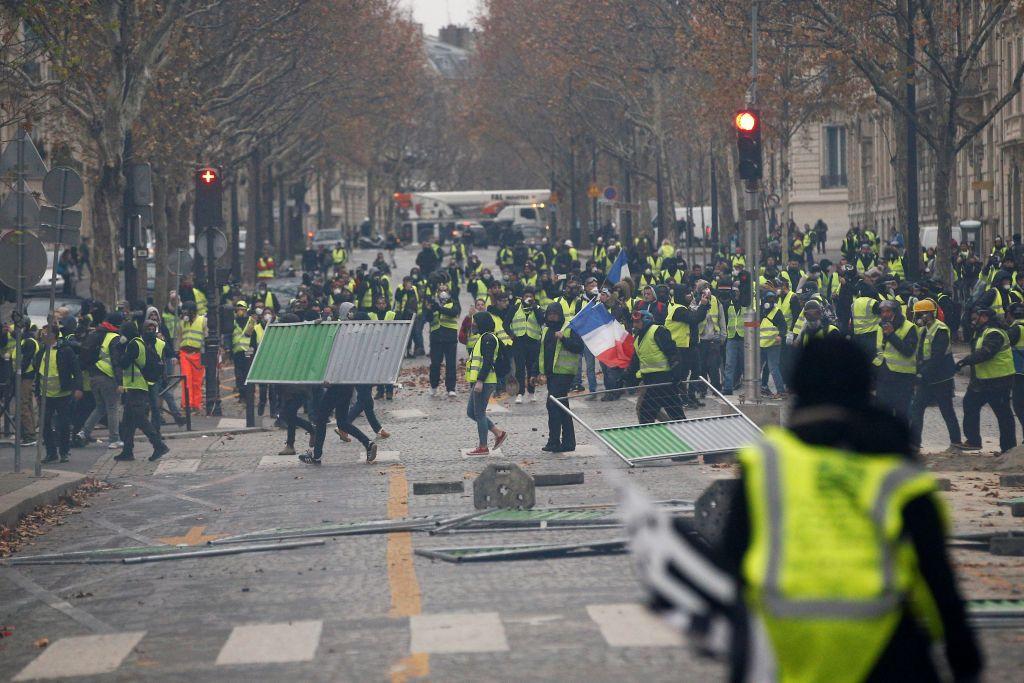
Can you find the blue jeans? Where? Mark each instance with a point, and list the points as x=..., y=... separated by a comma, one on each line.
x=587, y=358
x=733, y=364
x=773, y=358
x=477, y=410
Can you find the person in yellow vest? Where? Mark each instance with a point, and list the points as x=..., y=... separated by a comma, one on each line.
x=264, y=298
x=865, y=318
x=135, y=392
x=652, y=365
x=444, y=331
x=771, y=331
x=558, y=357
x=735, y=319
x=265, y=266
x=601, y=255
x=865, y=561
x=97, y=363
x=192, y=336
x=188, y=293
x=992, y=372
x=683, y=319
x=59, y=379
x=666, y=250
x=339, y=257
x=156, y=337
x=482, y=380
x=1015, y=332
x=25, y=356
x=895, y=360
x=935, y=370
x=243, y=345
x=526, y=334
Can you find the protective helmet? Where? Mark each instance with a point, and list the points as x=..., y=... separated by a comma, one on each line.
x=925, y=306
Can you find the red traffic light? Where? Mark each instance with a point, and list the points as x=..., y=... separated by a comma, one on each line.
x=208, y=175
x=746, y=121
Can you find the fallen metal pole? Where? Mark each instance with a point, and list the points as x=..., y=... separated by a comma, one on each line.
x=446, y=525
x=215, y=552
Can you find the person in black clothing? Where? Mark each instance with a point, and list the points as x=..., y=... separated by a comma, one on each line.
x=666, y=394
x=427, y=259
x=832, y=410
x=335, y=400
x=561, y=431
x=136, y=401
x=934, y=375
x=59, y=411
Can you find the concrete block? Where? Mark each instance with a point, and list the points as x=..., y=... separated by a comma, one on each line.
x=1011, y=481
x=1007, y=544
x=566, y=479
x=503, y=486
x=1017, y=509
x=761, y=414
x=430, y=488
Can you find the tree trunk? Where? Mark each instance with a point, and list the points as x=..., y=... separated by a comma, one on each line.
x=254, y=222
x=108, y=198
x=328, y=181
x=945, y=170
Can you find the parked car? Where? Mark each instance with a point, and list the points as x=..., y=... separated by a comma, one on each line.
x=39, y=307
x=532, y=235
x=328, y=238
x=472, y=233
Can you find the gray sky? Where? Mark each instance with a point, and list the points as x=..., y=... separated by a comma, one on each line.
x=434, y=14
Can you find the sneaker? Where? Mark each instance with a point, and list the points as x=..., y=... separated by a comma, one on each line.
x=342, y=434
x=124, y=457
x=64, y=457
x=114, y=445
x=500, y=439
x=533, y=398
x=179, y=420
x=308, y=458
x=159, y=452
x=479, y=450
x=451, y=394
x=433, y=391
x=287, y=450
x=77, y=442
x=550, y=448
x=49, y=459
x=970, y=447
x=371, y=452
x=383, y=434
x=519, y=398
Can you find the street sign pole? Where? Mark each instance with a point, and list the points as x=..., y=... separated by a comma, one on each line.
x=753, y=212
x=19, y=336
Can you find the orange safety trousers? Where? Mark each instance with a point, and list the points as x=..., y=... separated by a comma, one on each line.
x=194, y=372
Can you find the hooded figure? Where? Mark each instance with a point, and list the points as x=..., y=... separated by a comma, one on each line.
x=560, y=351
x=482, y=377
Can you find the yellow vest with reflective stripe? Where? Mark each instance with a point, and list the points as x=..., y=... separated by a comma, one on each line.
x=103, y=364
x=338, y=256
x=680, y=331
x=524, y=324
x=240, y=342
x=201, y=306
x=132, y=377
x=48, y=364
x=865, y=320
x=737, y=323
x=565, y=361
x=499, y=331
x=710, y=322
x=889, y=357
x=476, y=362
x=159, y=344
x=999, y=365
x=443, y=320
x=192, y=333
x=929, y=337
x=827, y=565
x=768, y=332
x=652, y=359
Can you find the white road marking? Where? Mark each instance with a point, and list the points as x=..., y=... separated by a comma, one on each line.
x=294, y=641
x=389, y=456
x=82, y=656
x=278, y=462
x=632, y=625
x=178, y=466
x=465, y=632
x=406, y=413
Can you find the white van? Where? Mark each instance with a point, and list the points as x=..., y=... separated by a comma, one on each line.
x=520, y=214
x=930, y=234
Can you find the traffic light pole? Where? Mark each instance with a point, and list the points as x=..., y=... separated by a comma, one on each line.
x=752, y=337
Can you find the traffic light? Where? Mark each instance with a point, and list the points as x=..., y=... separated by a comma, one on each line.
x=748, y=143
x=209, y=198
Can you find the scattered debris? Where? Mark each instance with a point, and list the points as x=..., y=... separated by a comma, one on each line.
x=503, y=485
x=42, y=642
x=537, y=551
x=335, y=529
x=44, y=518
x=429, y=488
x=566, y=479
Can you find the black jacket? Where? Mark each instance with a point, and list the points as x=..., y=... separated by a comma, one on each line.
x=940, y=367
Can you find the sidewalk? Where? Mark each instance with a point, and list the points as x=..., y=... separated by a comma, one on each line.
x=21, y=493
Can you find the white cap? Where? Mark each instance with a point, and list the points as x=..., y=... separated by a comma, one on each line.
x=568, y=243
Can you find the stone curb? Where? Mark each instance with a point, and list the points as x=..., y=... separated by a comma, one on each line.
x=215, y=432
x=17, y=504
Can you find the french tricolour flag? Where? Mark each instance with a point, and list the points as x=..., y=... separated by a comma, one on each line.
x=604, y=336
x=619, y=269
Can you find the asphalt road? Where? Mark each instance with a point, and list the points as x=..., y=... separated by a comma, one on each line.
x=365, y=607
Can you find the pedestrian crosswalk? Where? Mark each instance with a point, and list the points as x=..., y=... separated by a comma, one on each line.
x=448, y=633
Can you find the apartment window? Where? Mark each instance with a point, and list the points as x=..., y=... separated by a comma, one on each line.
x=834, y=162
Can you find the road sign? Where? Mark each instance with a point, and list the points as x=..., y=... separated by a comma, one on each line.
x=34, y=265
x=32, y=166
x=142, y=184
x=179, y=263
x=594, y=191
x=611, y=194
x=63, y=187
x=60, y=227
x=220, y=243
x=9, y=211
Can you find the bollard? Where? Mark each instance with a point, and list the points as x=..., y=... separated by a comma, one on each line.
x=188, y=407
x=250, y=408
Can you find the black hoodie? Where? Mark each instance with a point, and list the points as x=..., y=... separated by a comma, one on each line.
x=570, y=342
x=488, y=343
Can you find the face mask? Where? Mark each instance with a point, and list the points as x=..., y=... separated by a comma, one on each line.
x=123, y=339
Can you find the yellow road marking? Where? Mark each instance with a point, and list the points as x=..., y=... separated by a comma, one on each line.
x=195, y=536
x=405, y=587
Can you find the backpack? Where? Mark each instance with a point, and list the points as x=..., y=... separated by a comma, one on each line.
x=153, y=368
